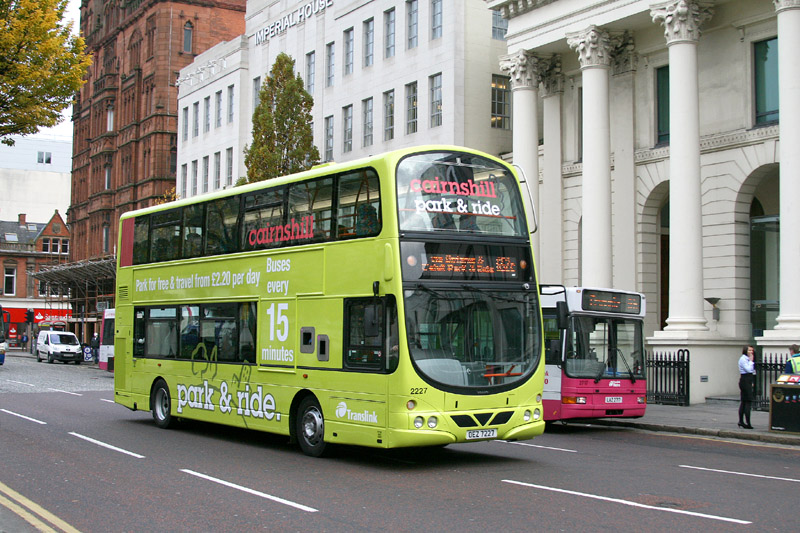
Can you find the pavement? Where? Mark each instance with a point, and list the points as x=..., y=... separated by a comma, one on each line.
x=718, y=417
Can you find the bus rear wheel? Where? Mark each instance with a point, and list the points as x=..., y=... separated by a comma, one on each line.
x=310, y=427
x=160, y=405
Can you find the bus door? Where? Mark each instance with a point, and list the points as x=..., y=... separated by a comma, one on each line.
x=554, y=361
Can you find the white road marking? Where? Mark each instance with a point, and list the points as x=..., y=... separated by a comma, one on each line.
x=64, y=391
x=21, y=383
x=251, y=491
x=104, y=445
x=107, y=400
x=629, y=503
x=741, y=473
x=538, y=446
x=23, y=416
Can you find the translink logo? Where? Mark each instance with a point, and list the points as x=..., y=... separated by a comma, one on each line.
x=343, y=412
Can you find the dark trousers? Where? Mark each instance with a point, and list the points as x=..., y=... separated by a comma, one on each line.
x=747, y=394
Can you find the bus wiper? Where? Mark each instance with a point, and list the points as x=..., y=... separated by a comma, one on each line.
x=630, y=371
x=434, y=292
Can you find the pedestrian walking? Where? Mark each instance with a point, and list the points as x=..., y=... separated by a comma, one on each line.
x=747, y=382
x=95, y=344
x=793, y=363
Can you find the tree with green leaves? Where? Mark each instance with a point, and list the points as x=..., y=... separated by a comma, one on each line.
x=283, y=142
x=42, y=65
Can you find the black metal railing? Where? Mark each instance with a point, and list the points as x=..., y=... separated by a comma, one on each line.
x=767, y=371
x=668, y=377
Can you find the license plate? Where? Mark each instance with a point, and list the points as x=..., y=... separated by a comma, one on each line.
x=481, y=434
x=613, y=399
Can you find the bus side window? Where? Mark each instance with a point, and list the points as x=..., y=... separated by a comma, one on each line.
x=247, y=332
x=138, y=332
x=312, y=199
x=141, y=240
x=222, y=226
x=359, y=204
x=364, y=334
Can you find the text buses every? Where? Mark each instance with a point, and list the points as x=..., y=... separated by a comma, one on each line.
x=385, y=302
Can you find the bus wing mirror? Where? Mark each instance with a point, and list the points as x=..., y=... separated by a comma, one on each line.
x=562, y=314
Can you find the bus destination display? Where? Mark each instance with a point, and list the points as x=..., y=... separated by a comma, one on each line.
x=446, y=261
x=611, y=302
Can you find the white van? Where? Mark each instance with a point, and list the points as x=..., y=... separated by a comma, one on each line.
x=58, y=346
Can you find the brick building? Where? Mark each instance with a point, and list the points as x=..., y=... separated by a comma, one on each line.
x=25, y=248
x=125, y=124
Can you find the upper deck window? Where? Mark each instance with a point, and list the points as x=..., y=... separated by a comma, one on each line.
x=458, y=192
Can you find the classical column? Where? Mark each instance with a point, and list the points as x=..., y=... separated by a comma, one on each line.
x=522, y=67
x=682, y=20
x=594, y=47
x=624, y=183
x=789, y=90
x=552, y=261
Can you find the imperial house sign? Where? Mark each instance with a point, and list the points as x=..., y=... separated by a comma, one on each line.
x=292, y=19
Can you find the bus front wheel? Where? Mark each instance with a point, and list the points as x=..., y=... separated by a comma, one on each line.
x=310, y=427
x=160, y=405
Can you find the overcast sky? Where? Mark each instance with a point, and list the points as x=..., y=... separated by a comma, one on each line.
x=64, y=129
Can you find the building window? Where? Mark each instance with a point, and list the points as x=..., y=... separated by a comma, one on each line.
x=349, y=51
x=662, y=104
x=185, y=120
x=435, y=83
x=501, y=102
x=256, y=92
x=205, y=174
x=195, y=119
x=54, y=247
x=46, y=245
x=110, y=118
x=229, y=167
x=184, y=179
x=412, y=25
x=44, y=158
x=330, y=57
x=106, y=239
x=188, y=29
x=436, y=19
x=230, y=104
x=499, y=25
x=329, y=138
x=64, y=246
x=311, y=70
x=347, y=128
x=10, y=281
x=218, y=109
x=388, y=33
x=765, y=54
x=388, y=115
x=194, y=177
x=369, y=42
x=107, y=178
x=206, y=114
x=217, y=170
x=366, y=108
x=411, y=108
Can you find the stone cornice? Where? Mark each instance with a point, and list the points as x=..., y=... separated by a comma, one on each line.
x=681, y=18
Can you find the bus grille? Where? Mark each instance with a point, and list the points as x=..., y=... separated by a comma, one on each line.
x=480, y=419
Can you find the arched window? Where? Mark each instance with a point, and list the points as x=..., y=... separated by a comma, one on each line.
x=187, y=37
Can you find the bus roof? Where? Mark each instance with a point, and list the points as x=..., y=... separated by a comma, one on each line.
x=322, y=169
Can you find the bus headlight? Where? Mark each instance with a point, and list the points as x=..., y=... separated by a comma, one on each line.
x=526, y=416
x=538, y=398
x=642, y=399
x=418, y=422
x=433, y=422
x=411, y=404
x=537, y=414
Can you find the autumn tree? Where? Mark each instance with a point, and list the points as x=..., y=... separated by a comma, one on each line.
x=41, y=65
x=283, y=142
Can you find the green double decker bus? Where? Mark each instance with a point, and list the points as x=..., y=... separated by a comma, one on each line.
x=385, y=302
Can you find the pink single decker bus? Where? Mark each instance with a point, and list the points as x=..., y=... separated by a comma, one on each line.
x=107, y=341
x=594, y=353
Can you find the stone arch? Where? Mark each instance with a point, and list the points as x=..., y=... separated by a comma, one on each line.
x=652, y=194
